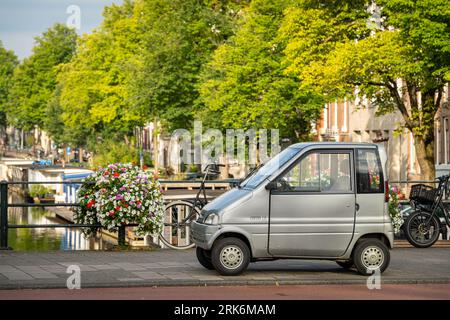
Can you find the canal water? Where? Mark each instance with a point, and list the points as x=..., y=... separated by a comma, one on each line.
x=45, y=239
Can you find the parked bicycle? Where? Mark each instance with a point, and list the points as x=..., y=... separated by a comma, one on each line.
x=179, y=214
x=423, y=226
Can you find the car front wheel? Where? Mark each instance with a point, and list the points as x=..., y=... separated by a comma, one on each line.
x=204, y=257
x=230, y=256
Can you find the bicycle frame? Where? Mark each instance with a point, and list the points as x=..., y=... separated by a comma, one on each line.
x=442, y=187
x=201, y=199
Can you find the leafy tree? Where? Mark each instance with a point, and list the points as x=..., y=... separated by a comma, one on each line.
x=34, y=80
x=179, y=39
x=402, y=65
x=92, y=94
x=8, y=62
x=245, y=84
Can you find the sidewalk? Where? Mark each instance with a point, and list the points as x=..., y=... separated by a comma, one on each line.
x=180, y=268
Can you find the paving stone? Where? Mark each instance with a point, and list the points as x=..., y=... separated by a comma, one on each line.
x=150, y=265
x=37, y=272
x=148, y=275
x=53, y=268
x=177, y=275
x=17, y=275
x=103, y=267
x=130, y=279
x=129, y=266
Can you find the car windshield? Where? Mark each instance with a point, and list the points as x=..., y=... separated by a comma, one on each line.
x=269, y=168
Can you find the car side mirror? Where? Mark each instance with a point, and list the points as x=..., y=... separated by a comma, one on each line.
x=272, y=185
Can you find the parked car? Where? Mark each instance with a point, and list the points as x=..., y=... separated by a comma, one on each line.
x=324, y=201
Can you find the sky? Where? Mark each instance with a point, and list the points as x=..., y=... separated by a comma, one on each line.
x=22, y=20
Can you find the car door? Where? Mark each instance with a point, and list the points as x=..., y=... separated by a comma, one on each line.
x=312, y=208
x=370, y=196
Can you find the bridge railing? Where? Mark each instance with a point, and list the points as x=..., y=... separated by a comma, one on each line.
x=5, y=205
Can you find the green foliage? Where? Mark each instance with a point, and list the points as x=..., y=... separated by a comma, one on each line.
x=39, y=191
x=8, y=62
x=333, y=50
x=179, y=37
x=245, y=84
x=34, y=79
x=111, y=151
x=92, y=97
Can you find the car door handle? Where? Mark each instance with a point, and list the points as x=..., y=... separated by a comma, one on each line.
x=357, y=206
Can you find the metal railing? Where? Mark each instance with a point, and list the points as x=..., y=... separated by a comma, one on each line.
x=408, y=183
x=5, y=205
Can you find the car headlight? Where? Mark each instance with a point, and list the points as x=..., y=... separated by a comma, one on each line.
x=211, y=218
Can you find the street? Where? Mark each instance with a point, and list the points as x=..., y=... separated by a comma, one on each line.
x=171, y=268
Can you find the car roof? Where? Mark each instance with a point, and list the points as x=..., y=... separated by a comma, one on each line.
x=327, y=144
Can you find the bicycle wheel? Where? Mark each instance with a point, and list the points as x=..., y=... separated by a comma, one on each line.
x=422, y=229
x=176, y=233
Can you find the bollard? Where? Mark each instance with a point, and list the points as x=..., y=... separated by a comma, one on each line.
x=4, y=215
x=121, y=236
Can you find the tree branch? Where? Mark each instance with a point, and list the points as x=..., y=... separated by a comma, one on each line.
x=393, y=88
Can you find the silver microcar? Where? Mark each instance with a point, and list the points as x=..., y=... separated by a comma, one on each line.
x=313, y=200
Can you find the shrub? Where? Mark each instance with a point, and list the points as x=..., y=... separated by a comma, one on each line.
x=38, y=190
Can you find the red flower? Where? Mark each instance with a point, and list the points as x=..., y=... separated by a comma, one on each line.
x=111, y=213
x=116, y=175
x=118, y=208
x=90, y=204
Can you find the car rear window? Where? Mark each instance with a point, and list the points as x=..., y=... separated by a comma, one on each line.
x=369, y=174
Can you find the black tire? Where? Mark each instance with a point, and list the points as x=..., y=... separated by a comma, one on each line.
x=369, y=255
x=204, y=257
x=348, y=264
x=173, y=211
x=418, y=233
x=230, y=256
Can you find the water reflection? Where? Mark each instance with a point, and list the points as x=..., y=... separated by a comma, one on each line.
x=45, y=239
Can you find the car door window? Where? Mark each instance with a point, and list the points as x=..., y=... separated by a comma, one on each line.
x=369, y=172
x=319, y=172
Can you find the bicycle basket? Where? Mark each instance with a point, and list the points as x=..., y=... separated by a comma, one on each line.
x=423, y=193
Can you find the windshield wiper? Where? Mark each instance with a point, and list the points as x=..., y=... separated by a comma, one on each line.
x=249, y=174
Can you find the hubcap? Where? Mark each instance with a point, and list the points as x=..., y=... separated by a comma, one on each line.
x=231, y=257
x=372, y=258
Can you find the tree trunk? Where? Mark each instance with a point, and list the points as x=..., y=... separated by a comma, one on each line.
x=425, y=157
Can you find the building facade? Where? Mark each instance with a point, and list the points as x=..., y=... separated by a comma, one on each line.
x=357, y=121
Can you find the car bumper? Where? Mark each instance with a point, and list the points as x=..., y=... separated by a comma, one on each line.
x=203, y=235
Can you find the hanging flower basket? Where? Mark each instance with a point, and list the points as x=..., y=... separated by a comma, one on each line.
x=121, y=194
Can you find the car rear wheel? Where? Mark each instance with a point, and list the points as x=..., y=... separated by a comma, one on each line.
x=230, y=256
x=371, y=255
